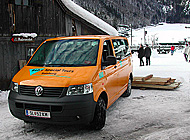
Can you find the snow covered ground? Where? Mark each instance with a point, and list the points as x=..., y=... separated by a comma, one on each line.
x=146, y=115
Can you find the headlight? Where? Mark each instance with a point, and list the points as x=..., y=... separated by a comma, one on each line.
x=80, y=89
x=14, y=87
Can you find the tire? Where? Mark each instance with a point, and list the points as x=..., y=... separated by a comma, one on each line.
x=28, y=122
x=127, y=93
x=99, y=119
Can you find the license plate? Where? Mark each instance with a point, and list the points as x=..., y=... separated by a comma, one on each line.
x=40, y=114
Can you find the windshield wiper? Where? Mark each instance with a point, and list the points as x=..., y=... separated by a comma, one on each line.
x=33, y=64
x=59, y=65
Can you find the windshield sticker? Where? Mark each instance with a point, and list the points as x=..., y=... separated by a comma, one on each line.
x=33, y=71
x=87, y=62
x=101, y=75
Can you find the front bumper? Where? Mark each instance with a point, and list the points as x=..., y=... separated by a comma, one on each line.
x=63, y=110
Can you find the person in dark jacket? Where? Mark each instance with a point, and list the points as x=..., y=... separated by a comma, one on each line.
x=141, y=55
x=147, y=54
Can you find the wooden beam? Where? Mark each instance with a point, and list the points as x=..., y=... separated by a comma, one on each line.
x=154, y=82
x=169, y=87
x=147, y=77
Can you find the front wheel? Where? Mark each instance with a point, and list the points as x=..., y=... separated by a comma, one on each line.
x=99, y=119
x=127, y=93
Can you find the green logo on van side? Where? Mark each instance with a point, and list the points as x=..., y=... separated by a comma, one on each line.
x=33, y=71
x=120, y=63
x=101, y=75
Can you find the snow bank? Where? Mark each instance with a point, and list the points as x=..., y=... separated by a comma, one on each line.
x=3, y=96
x=76, y=9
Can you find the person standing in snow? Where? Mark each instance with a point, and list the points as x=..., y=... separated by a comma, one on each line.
x=188, y=53
x=147, y=54
x=141, y=55
x=172, y=49
x=186, y=50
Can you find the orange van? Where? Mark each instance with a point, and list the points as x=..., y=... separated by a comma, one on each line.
x=72, y=80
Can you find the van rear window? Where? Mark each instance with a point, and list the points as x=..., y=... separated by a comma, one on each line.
x=73, y=52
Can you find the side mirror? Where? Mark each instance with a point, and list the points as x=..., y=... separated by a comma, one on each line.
x=110, y=60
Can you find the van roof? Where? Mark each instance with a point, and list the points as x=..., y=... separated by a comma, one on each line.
x=85, y=37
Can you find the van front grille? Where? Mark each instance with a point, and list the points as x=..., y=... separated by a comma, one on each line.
x=47, y=91
x=37, y=107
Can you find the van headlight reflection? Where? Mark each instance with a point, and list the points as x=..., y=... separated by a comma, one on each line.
x=14, y=87
x=80, y=89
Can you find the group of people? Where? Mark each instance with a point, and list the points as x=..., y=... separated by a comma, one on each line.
x=147, y=53
x=187, y=53
x=144, y=53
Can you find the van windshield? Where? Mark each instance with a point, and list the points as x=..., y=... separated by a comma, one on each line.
x=73, y=52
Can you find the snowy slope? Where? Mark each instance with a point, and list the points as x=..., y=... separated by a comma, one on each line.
x=166, y=33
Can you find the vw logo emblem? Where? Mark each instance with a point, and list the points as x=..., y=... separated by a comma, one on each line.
x=38, y=91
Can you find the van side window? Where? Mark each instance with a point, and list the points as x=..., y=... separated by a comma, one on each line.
x=128, y=51
x=121, y=48
x=107, y=50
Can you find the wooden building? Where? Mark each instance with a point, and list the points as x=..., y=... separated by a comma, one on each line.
x=24, y=24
